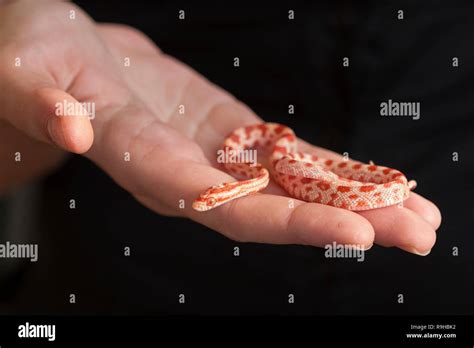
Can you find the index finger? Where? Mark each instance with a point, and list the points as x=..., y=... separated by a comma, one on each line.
x=266, y=218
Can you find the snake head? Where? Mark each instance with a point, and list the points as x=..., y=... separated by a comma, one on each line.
x=208, y=199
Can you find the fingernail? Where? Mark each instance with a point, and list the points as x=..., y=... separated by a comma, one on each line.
x=365, y=248
x=420, y=253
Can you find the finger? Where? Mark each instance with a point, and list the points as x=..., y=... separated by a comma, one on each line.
x=259, y=218
x=402, y=228
x=424, y=208
x=51, y=116
x=31, y=103
x=271, y=219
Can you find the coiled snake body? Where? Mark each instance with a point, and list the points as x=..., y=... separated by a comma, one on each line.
x=344, y=184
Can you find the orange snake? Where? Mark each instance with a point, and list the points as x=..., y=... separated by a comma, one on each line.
x=344, y=184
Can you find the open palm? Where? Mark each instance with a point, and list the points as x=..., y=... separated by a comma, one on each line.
x=158, y=125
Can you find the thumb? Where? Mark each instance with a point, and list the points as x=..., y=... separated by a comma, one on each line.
x=52, y=116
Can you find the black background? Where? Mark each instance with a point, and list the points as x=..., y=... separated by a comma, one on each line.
x=281, y=62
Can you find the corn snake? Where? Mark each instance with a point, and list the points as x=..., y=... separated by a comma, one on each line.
x=344, y=184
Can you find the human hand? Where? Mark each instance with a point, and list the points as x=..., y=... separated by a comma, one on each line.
x=180, y=161
x=172, y=154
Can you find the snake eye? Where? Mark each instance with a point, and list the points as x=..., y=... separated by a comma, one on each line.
x=211, y=202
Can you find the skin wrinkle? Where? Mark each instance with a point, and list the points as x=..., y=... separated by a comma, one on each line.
x=403, y=222
x=206, y=121
x=70, y=86
x=142, y=41
x=227, y=98
x=409, y=213
x=289, y=221
x=139, y=189
x=45, y=116
x=102, y=114
x=231, y=102
x=166, y=163
x=392, y=222
x=360, y=235
x=301, y=236
x=153, y=105
x=428, y=212
x=71, y=73
x=136, y=137
x=170, y=118
x=129, y=80
x=239, y=236
x=152, y=204
x=123, y=112
x=105, y=126
x=145, y=191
